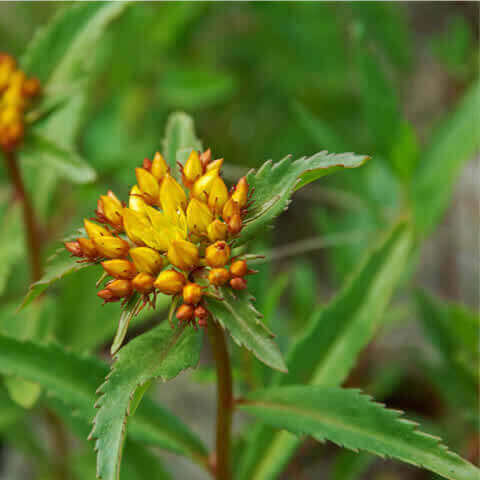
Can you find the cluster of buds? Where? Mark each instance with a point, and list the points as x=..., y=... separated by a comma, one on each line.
x=16, y=92
x=170, y=239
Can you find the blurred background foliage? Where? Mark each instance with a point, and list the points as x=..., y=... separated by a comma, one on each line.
x=395, y=80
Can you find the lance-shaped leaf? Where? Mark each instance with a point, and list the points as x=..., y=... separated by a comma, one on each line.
x=274, y=183
x=180, y=139
x=73, y=379
x=352, y=420
x=161, y=353
x=236, y=313
x=327, y=351
x=129, y=311
x=61, y=265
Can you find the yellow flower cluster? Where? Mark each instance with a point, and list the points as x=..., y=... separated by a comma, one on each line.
x=171, y=239
x=16, y=91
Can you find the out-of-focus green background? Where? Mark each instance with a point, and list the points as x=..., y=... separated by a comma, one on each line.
x=263, y=80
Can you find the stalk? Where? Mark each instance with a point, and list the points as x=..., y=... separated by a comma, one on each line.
x=224, y=402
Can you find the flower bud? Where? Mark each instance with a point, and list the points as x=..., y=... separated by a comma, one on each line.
x=111, y=247
x=218, y=276
x=148, y=185
x=215, y=165
x=218, y=195
x=239, y=268
x=217, y=230
x=119, y=268
x=88, y=247
x=146, y=260
x=95, y=231
x=230, y=209
x=136, y=225
x=111, y=208
x=235, y=224
x=184, y=312
x=238, y=283
x=74, y=248
x=143, y=283
x=206, y=158
x=201, y=314
x=217, y=254
x=170, y=282
x=240, y=195
x=7, y=67
x=31, y=87
x=136, y=201
x=159, y=166
x=193, y=168
x=199, y=216
x=192, y=293
x=172, y=196
x=183, y=254
x=203, y=185
x=120, y=288
x=147, y=164
x=107, y=296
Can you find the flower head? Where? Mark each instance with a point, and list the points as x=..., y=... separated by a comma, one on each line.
x=175, y=236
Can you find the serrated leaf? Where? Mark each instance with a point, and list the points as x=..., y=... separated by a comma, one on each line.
x=336, y=334
x=73, y=379
x=64, y=161
x=236, y=313
x=180, y=139
x=454, y=143
x=60, y=52
x=127, y=314
x=61, y=265
x=352, y=420
x=274, y=183
x=162, y=352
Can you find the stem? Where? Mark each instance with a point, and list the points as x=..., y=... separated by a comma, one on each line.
x=31, y=228
x=59, y=439
x=224, y=401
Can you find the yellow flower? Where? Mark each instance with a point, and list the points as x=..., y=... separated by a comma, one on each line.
x=170, y=282
x=215, y=165
x=199, y=216
x=88, y=247
x=172, y=196
x=111, y=208
x=230, y=209
x=111, y=247
x=148, y=185
x=203, y=185
x=193, y=167
x=217, y=230
x=192, y=293
x=143, y=283
x=95, y=231
x=217, y=254
x=120, y=288
x=240, y=195
x=136, y=201
x=183, y=254
x=119, y=268
x=218, y=195
x=218, y=276
x=159, y=166
x=146, y=260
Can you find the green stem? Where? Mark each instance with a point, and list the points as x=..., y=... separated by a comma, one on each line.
x=224, y=402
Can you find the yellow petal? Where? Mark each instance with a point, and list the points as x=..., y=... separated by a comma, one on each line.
x=111, y=247
x=135, y=201
x=183, y=254
x=148, y=185
x=172, y=195
x=240, y=195
x=199, y=216
x=170, y=282
x=193, y=167
x=217, y=230
x=146, y=260
x=203, y=185
x=94, y=231
x=112, y=210
x=218, y=195
x=159, y=166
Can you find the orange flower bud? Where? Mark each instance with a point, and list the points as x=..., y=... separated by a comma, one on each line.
x=31, y=87
x=218, y=195
x=148, y=185
x=147, y=260
x=107, y=296
x=95, y=231
x=193, y=168
x=111, y=247
x=218, y=276
x=143, y=283
x=240, y=195
x=217, y=230
x=215, y=165
x=170, y=282
x=206, y=158
x=159, y=166
x=217, y=254
x=172, y=196
x=184, y=312
x=74, y=248
x=120, y=288
x=201, y=314
x=239, y=268
x=230, y=209
x=88, y=247
x=202, y=187
x=235, y=224
x=199, y=216
x=183, y=254
x=147, y=164
x=238, y=283
x=192, y=293
x=119, y=268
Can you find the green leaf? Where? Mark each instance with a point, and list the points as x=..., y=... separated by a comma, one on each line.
x=60, y=53
x=337, y=333
x=352, y=420
x=180, y=139
x=62, y=265
x=129, y=311
x=351, y=465
x=65, y=162
x=454, y=143
x=162, y=352
x=236, y=313
x=73, y=379
x=273, y=184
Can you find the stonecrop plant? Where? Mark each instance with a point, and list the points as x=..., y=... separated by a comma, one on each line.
x=182, y=245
